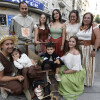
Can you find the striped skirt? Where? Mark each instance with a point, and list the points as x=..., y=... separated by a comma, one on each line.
x=89, y=64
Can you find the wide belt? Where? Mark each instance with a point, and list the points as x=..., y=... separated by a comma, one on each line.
x=85, y=42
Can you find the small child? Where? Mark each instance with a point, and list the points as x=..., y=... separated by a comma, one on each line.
x=21, y=60
x=51, y=61
x=27, y=68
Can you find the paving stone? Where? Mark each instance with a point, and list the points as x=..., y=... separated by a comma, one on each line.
x=90, y=93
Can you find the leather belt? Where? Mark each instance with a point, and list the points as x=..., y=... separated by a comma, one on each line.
x=84, y=42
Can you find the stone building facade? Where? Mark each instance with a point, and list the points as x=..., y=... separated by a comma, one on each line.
x=85, y=6
x=10, y=9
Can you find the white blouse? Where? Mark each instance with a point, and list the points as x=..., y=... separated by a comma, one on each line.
x=85, y=35
x=1, y=67
x=72, y=61
x=23, y=62
x=35, y=26
x=71, y=30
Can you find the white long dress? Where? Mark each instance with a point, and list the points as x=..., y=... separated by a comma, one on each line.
x=87, y=60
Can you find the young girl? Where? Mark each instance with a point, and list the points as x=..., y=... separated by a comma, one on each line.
x=58, y=31
x=42, y=33
x=28, y=69
x=21, y=60
x=72, y=74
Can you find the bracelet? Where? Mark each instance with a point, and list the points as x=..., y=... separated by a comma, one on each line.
x=94, y=49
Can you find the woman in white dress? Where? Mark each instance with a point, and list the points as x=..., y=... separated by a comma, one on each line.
x=72, y=74
x=72, y=26
x=85, y=40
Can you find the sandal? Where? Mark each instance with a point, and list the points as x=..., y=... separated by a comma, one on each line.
x=57, y=77
x=4, y=95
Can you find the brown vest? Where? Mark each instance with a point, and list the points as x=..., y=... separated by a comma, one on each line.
x=43, y=34
x=7, y=64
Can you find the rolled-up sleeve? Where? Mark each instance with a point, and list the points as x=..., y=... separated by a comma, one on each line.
x=1, y=67
x=18, y=65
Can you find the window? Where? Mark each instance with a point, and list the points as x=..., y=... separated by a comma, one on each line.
x=45, y=2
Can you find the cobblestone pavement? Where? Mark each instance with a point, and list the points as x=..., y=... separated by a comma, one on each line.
x=90, y=93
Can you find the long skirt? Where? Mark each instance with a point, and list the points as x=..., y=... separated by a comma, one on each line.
x=15, y=86
x=71, y=85
x=31, y=73
x=58, y=46
x=89, y=64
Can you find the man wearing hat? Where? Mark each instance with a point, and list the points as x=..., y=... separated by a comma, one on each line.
x=8, y=81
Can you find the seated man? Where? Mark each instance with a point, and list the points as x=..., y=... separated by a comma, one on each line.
x=8, y=80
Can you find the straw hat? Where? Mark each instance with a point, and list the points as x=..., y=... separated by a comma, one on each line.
x=9, y=37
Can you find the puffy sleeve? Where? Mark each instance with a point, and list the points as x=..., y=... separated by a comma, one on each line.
x=62, y=58
x=77, y=63
x=18, y=65
x=35, y=26
x=23, y=59
x=1, y=67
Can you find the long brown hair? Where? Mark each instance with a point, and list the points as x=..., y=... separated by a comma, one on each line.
x=60, y=17
x=77, y=15
x=90, y=22
x=15, y=50
x=45, y=24
x=77, y=44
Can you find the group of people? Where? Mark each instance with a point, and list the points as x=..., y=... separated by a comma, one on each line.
x=69, y=44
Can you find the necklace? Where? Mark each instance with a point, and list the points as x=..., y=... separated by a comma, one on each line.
x=83, y=27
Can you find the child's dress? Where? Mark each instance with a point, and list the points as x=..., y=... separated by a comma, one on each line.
x=23, y=62
x=28, y=70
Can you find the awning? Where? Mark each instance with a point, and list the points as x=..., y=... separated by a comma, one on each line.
x=16, y=6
